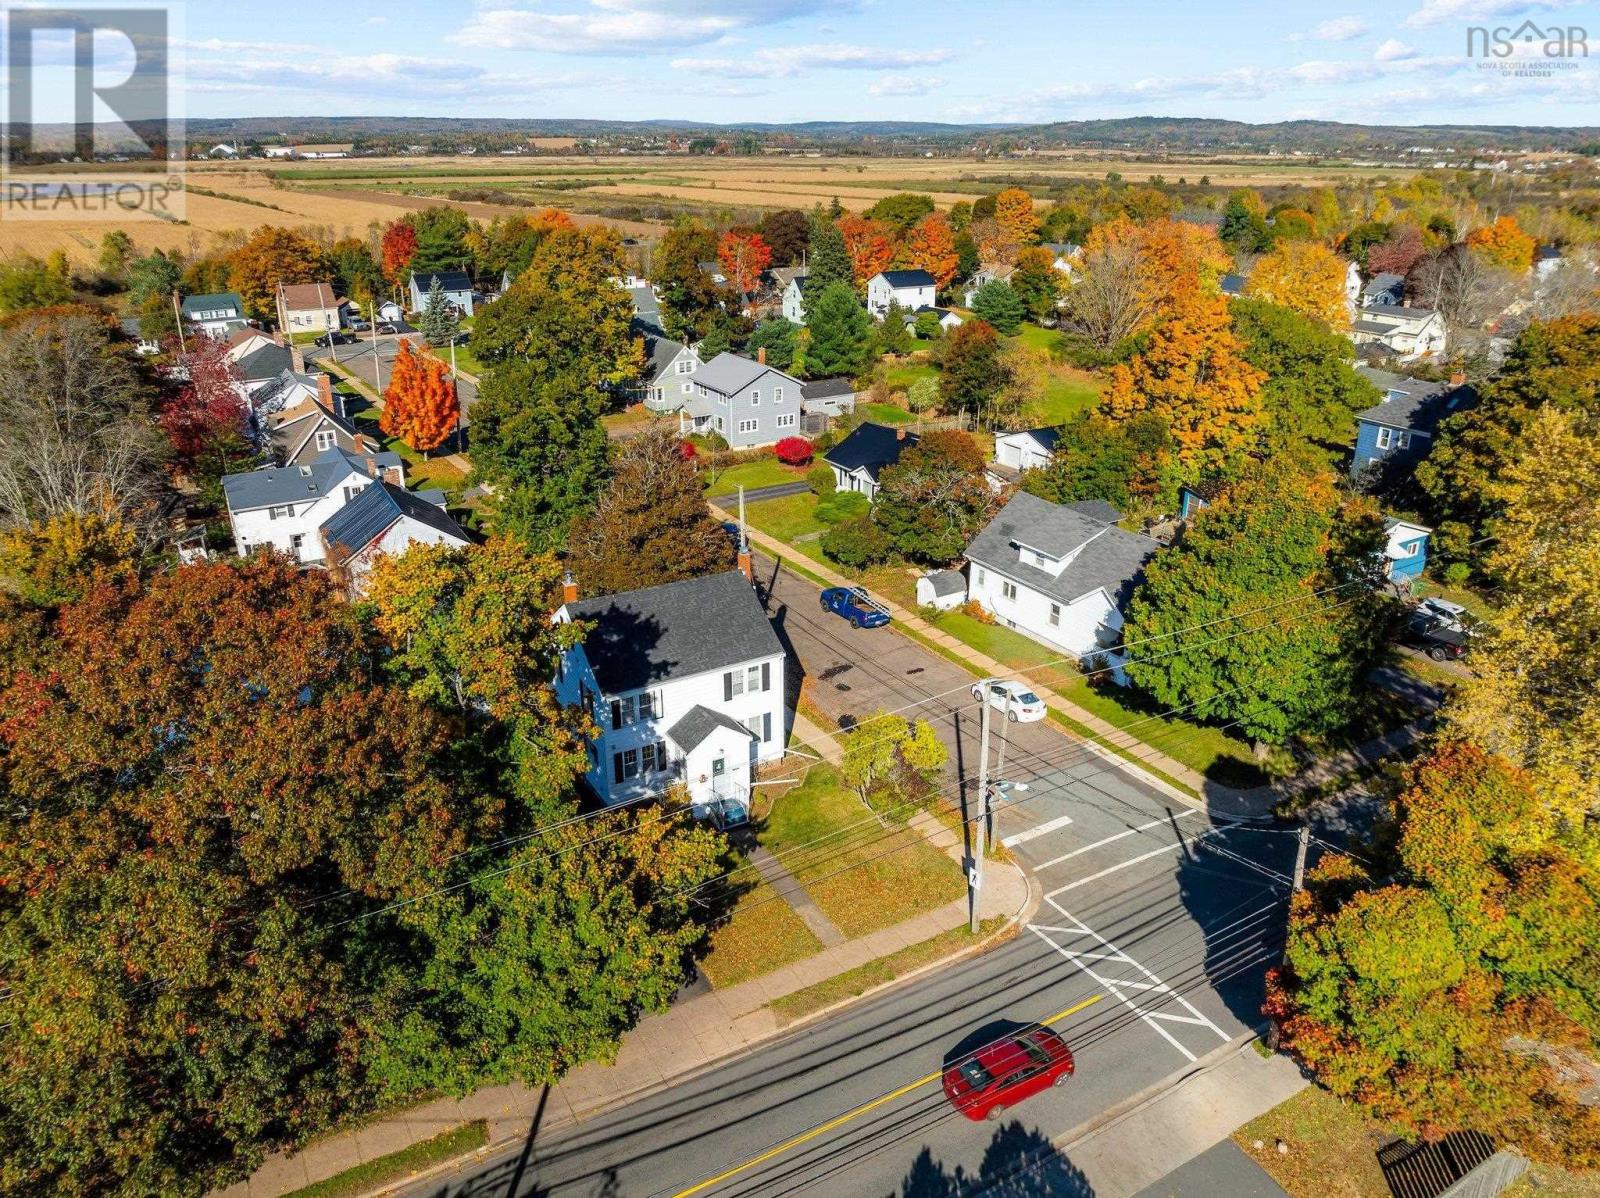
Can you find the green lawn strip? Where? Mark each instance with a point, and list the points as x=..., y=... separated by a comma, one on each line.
x=1068, y=393
x=859, y=980
x=762, y=934
x=368, y=1175
x=866, y=877
x=885, y=413
x=900, y=377
x=762, y=472
x=422, y=473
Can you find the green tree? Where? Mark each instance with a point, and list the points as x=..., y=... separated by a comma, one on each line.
x=1444, y=997
x=777, y=337
x=1037, y=283
x=972, y=373
x=829, y=260
x=441, y=239
x=724, y=334
x=923, y=395
x=1311, y=391
x=689, y=297
x=841, y=332
x=892, y=763
x=26, y=282
x=1275, y=540
x=652, y=524
x=968, y=260
x=1244, y=224
x=933, y=501
x=1554, y=364
x=1124, y=463
x=439, y=322
x=998, y=304
x=893, y=337
x=153, y=277
x=901, y=211
x=356, y=272
x=857, y=543
x=116, y=250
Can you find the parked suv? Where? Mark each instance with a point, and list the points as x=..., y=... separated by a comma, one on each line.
x=1438, y=638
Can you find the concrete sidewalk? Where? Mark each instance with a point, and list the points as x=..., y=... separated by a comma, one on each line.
x=1136, y=1144
x=662, y=1049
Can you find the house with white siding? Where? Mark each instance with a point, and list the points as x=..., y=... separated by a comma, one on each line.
x=911, y=289
x=1405, y=332
x=667, y=381
x=685, y=682
x=867, y=452
x=1059, y=573
x=384, y=520
x=309, y=308
x=285, y=507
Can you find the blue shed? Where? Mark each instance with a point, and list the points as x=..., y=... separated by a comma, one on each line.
x=1406, y=553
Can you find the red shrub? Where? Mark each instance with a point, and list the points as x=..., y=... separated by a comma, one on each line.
x=687, y=451
x=793, y=451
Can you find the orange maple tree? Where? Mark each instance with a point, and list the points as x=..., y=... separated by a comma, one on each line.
x=398, y=247
x=743, y=255
x=1177, y=259
x=931, y=245
x=270, y=256
x=1504, y=243
x=420, y=404
x=1194, y=376
x=1013, y=212
x=870, y=244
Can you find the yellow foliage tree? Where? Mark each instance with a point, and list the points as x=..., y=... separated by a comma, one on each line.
x=1504, y=243
x=271, y=256
x=1176, y=259
x=1013, y=212
x=1534, y=692
x=1194, y=376
x=1304, y=276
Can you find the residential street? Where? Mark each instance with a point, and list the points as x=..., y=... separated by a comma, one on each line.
x=357, y=359
x=1147, y=953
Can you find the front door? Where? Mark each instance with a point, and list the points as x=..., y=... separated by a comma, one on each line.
x=719, y=775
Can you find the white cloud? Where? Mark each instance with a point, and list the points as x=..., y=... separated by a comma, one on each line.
x=1336, y=29
x=1394, y=50
x=377, y=20
x=1437, y=12
x=628, y=26
x=383, y=74
x=786, y=61
x=906, y=85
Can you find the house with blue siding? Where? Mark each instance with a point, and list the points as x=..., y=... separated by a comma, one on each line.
x=1406, y=553
x=1396, y=433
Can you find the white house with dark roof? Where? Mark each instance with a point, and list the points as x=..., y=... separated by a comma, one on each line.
x=686, y=684
x=1405, y=332
x=455, y=284
x=285, y=507
x=993, y=272
x=911, y=289
x=794, y=299
x=219, y=313
x=867, y=452
x=1059, y=573
x=1384, y=290
x=384, y=519
x=744, y=401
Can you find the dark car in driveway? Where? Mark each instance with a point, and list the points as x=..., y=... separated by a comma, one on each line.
x=1438, y=638
x=988, y=1081
x=855, y=605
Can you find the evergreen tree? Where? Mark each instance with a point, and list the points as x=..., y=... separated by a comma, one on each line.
x=828, y=260
x=439, y=322
x=998, y=304
x=777, y=337
x=841, y=332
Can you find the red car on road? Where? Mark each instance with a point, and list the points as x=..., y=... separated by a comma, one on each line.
x=983, y=1084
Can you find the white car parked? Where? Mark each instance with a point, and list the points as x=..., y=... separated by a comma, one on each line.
x=1019, y=703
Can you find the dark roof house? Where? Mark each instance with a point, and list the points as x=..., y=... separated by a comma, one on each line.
x=870, y=448
x=1415, y=404
x=377, y=509
x=676, y=630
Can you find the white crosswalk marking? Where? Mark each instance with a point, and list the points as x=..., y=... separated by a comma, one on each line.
x=1081, y=944
x=1134, y=831
x=1043, y=829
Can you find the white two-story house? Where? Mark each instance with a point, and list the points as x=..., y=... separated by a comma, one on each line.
x=285, y=507
x=1059, y=573
x=685, y=682
x=913, y=290
x=1406, y=332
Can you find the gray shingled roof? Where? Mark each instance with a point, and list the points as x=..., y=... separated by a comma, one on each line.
x=646, y=308
x=1421, y=404
x=1398, y=311
x=730, y=373
x=297, y=484
x=675, y=630
x=827, y=388
x=700, y=722
x=1110, y=557
x=1385, y=283
x=373, y=512
x=870, y=447
x=946, y=582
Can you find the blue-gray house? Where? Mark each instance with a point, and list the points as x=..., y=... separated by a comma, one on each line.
x=456, y=285
x=1397, y=432
x=1406, y=552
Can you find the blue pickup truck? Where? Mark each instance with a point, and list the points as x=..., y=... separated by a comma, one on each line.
x=855, y=605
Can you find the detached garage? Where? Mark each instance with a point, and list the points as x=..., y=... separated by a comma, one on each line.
x=1026, y=450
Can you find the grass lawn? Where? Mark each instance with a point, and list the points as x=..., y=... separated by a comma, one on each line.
x=369, y=1175
x=788, y=519
x=1035, y=337
x=888, y=875
x=763, y=472
x=885, y=413
x=862, y=978
x=466, y=361
x=763, y=934
x=422, y=473
x=1070, y=392
x=900, y=377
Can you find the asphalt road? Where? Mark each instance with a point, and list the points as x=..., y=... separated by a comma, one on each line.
x=357, y=359
x=1147, y=952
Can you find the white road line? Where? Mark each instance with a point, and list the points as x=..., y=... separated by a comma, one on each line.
x=1043, y=829
x=1155, y=823
x=1111, y=869
x=1119, y=987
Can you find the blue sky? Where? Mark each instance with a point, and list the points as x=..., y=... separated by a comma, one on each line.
x=1403, y=61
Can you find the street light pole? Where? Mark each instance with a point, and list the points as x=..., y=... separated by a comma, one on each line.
x=975, y=875
x=377, y=374
x=455, y=386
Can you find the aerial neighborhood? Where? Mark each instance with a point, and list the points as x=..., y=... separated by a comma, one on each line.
x=519, y=692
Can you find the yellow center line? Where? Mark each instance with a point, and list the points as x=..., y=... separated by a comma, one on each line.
x=840, y=1121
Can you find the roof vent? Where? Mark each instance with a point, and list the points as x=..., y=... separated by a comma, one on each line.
x=305, y=472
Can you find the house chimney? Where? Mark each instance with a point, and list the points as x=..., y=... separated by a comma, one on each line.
x=900, y=433
x=761, y=355
x=1458, y=379
x=333, y=402
x=746, y=566
x=569, y=588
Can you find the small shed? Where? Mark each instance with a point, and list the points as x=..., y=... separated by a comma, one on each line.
x=941, y=590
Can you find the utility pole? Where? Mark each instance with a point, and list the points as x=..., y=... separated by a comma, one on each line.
x=377, y=374
x=177, y=313
x=1300, y=858
x=975, y=875
x=455, y=386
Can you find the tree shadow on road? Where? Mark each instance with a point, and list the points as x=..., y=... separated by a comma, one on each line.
x=1018, y=1163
